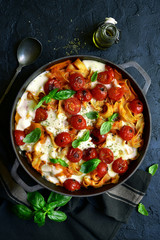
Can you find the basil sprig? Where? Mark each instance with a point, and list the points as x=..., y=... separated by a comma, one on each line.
x=60, y=95
x=84, y=138
x=152, y=169
x=106, y=126
x=33, y=136
x=60, y=161
x=92, y=115
x=90, y=165
x=94, y=76
x=41, y=208
x=46, y=98
x=142, y=209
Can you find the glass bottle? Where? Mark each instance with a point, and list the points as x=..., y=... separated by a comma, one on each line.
x=107, y=34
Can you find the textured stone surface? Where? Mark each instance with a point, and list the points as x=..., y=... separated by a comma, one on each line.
x=66, y=28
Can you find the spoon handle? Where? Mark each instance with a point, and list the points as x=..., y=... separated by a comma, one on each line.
x=10, y=84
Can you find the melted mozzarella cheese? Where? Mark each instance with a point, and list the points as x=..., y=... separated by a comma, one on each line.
x=37, y=84
x=94, y=65
x=86, y=144
x=56, y=123
x=120, y=148
x=46, y=149
x=83, y=112
x=26, y=112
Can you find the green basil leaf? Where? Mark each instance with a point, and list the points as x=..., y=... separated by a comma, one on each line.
x=33, y=136
x=76, y=143
x=152, y=169
x=52, y=93
x=105, y=127
x=94, y=76
x=36, y=200
x=59, y=199
x=90, y=165
x=92, y=115
x=47, y=98
x=57, y=216
x=64, y=94
x=60, y=161
x=39, y=218
x=142, y=209
x=22, y=211
x=113, y=117
x=85, y=137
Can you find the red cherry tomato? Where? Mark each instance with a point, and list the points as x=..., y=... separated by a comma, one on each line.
x=97, y=138
x=74, y=154
x=107, y=76
x=120, y=166
x=40, y=115
x=136, y=106
x=115, y=93
x=51, y=84
x=78, y=122
x=72, y=106
x=89, y=154
x=84, y=95
x=71, y=185
x=126, y=133
x=77, y=81
x=106, y=155
x=63, y=139
x=102, y=169
x=19, y=136
x=99, y=92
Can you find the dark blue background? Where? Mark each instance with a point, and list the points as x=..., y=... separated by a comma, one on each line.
x=66, y=28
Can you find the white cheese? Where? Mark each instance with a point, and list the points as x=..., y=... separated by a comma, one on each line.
x=94, y=65
x=120, y=148
x=83, y=112
x=26, y=112
x=37, y=84
x=56, y=123
x=85, y=144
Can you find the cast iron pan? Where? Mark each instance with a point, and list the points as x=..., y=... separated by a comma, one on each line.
x=83, y=192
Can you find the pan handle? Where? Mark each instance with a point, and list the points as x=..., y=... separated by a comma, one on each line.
x=141, y=71
x=20, y=181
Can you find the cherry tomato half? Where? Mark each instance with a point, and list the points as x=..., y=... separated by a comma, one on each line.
x=51, y=84
x=72, y=105
x=102, y=169
x=40, y=115
x=63, y=139
x=97, y=138
x=71, y=185
x=136, y=106
x=107, y=76
x=115, y=93
x=99, y=92
x=89, y=153
x=78, y=122
x=120, y=166
x=84, y=95
x=77, y=81
x=19, y=136
x=74, y=154
x=126, y=133
x=106, y=155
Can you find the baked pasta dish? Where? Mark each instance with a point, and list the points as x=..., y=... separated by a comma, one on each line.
x=80, y=124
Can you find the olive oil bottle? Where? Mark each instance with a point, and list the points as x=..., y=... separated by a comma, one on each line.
x=107, y=34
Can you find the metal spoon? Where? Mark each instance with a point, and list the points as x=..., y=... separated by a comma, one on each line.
x=27, y=52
